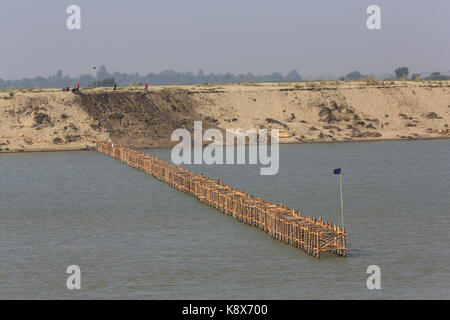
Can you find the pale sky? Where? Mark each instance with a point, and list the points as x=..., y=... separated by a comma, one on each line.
x=326, y=37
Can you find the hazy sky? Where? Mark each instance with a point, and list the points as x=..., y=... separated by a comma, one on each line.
x=315, y=37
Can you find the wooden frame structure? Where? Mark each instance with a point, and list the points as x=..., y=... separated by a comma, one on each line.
x=308, y=234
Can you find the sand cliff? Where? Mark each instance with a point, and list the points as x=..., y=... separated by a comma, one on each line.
x=41, y=120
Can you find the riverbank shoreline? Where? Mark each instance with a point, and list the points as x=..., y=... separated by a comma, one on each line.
x=51, y=120
x=87, y=148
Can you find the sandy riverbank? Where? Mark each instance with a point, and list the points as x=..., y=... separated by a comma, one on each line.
x=51, y=120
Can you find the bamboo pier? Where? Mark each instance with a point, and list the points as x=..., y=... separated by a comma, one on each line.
x=309, y=234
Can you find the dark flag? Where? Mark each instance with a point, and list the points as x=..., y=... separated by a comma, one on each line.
x=337, y=171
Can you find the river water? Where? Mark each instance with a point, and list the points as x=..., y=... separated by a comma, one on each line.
x=135, y=237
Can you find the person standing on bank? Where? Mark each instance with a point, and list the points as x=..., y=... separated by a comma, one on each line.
x=145, y=89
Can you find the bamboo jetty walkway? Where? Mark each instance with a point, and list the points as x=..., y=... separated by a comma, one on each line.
x=309, y=234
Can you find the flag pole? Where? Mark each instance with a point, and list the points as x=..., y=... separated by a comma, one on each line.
x=342, y=201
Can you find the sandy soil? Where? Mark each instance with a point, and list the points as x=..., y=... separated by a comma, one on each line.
x=42, y=120
x=45, y=122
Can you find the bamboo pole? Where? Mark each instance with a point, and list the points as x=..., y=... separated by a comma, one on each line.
x=342, y=200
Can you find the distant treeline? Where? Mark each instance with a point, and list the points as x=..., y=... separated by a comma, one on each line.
x=401, y=73
x=168, y=77
x=104, y=79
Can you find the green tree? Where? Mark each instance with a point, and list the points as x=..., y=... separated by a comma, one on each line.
x=437, y=76
x=107, y=82
x=102, y=73
x=294, y=76
x=355, y=75
x=401, y=72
